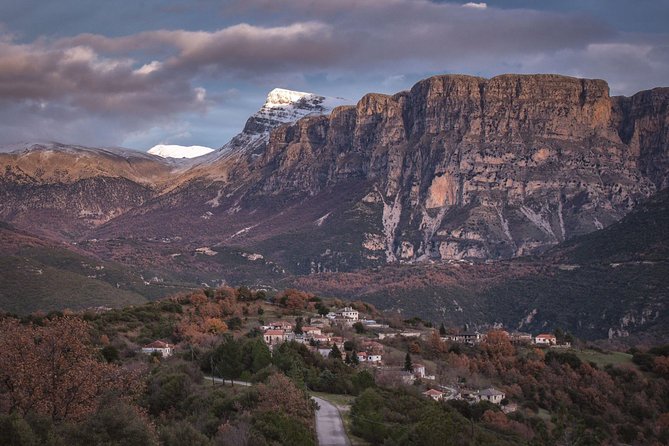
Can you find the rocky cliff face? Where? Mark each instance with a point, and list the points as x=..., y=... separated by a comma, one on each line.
x=457, y=168
x=642, y=122
x=463, y=167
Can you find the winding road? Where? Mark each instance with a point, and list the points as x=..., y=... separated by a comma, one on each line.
x=329, y=425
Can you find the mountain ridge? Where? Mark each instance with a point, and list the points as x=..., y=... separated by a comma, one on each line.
x=457, y=169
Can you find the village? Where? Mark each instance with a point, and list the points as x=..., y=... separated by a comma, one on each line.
x=359, y=341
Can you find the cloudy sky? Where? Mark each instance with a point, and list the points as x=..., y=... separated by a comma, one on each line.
x=139, y=73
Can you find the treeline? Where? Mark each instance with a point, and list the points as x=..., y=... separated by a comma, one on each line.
x=402, y=417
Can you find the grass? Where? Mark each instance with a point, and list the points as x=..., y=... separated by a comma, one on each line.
x=337, y=400
x=602, y=359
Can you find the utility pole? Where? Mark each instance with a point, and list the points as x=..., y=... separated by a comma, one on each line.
x=211, y=364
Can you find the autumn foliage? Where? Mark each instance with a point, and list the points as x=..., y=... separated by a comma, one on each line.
x=52, y=370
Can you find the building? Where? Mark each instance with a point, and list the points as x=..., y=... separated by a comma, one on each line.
x=434, y=394
x=161, y=347
x=411, y=334
x=545, y=339
x=520, y=338
x=273, y=337
x=320, y=339
x=347, y=313
x=311, y=330
x=470, y=338
x=362, y=356
x=491, y=394
x=374, y=358
x=419, y=370
x=394, y=376
x=280, y=325
x=320, y=322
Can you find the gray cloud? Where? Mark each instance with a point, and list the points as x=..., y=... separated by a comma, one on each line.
x=147, y=79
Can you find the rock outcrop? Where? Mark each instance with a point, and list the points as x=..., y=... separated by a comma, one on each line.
x=457, y=168
x=464, y=167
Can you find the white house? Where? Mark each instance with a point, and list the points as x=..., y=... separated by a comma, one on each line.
x=273, y=337
x=348, y=313
x=470, y=338
x=434, y=394
x=280, y=325
x=419, y=370
x=373, y=357
x=545, y=339
x=161, y=347
x=492, y=395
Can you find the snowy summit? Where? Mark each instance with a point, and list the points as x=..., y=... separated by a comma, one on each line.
x=176, y=151
x=281, y=107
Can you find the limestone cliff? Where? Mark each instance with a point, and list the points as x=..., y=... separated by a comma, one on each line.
x=464, y=167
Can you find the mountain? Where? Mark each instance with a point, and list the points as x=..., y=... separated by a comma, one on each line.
x=177, y=151
x=459, y=167
x=424, y=192
x=281, y=107
x=611, y=283
x=64, y=190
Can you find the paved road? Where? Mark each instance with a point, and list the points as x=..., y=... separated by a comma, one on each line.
x=329, y=425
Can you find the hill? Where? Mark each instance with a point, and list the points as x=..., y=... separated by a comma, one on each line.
x=39, y=274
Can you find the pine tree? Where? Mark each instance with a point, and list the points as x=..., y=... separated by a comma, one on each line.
x=299, y=323
x=408, y=365
x=354, y=359
x=335, y=353
x=442, y=329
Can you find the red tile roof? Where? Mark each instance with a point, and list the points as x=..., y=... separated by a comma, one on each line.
x=433, y=392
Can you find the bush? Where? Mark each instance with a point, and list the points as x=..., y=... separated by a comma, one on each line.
x=279, y=428
x=182, y=433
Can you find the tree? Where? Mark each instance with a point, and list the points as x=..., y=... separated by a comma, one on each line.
x=115, y=423
x=354, y=358
x=280, y=395
x=323, y=310
x=110, y=353
x=227, y=359
x=442, y=330
x=244, y=293
x=335, y=353
x=408, y=365
x=299, y=323
x=359, y=327
x=53, y=370
x=255, y=355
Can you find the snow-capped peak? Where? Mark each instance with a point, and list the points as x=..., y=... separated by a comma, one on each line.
x=177, y=151
x=280, y=97
x=281, y=107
